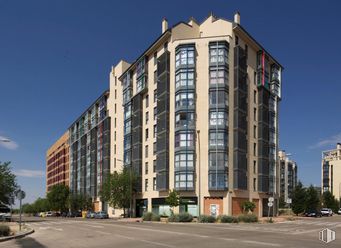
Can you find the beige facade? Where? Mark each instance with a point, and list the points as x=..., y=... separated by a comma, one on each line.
x=57, y=163
x=331, y=171
x=250, y=78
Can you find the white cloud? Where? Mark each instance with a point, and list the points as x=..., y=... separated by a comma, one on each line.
x=30, y=173
x=7, y=143
x=333, y=140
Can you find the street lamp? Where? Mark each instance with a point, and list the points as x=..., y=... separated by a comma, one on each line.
x=199, y=176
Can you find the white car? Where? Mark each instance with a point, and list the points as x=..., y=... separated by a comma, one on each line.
x=339, y=211
x=326, y=212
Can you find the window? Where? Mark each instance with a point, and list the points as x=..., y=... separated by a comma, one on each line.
x=126, y=95
x=154, y=165
x=184, y=160
x=237, y=40
x=255, y=96
x=218, y=118
x=254, y=131
x=145, y=184
x=255, y=114
x=218, y=97
x=155, y=112
x=154, y=183
x=254, y=184
x=246, y=51
x=155, y=95
x=254, y=166
x=147, y=117
x=115, y=136
x=218, y=52
x=115, y=122
x=115, y=108
x=165, y=46
x=140, y=67
x=127, y=127
x=218, y=76
x=184, y=56
x=147, y=101
x=154, y=148
x=146, y=168
x=217, y=180
x=140, y=83
x=115, y=94
x=155, y=131
x=146, y=133
x=127, y=143
x=184, y=119
x=155, y=58
x=183, y=180
x=184, y=78
x=146, y=151
x=184, y=99
x=254, y=149
x=254, y=78
x=218, y=139
x=218, y=159
x=183, y=139
x=155, y=77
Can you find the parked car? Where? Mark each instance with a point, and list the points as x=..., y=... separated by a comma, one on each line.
x=339, y=211
x=326, y=212
x=64, y=214
x=313, y=213
x=101, y=215
x=90, y=215
x=49, y=214
x=74, y=214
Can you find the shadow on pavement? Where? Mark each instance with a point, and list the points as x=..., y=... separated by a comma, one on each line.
x=29, y=242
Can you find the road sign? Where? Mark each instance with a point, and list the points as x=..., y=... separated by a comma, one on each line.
x=270, y=204
x=271, y=199
x=289, y=201
x=21, y=194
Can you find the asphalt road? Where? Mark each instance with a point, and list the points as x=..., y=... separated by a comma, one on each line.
x=63, y=233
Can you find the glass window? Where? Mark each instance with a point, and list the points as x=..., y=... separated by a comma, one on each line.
x=217, y=179
x=127, y=112
x=218, y=76
x=154, y=183
x=155, y=112
x=140, y=83
x=127, y=127
x=218, y=118
x=145, y=184
x=184, y=99
x=218, y=53
x=183, y=139
x=154, y=165
x=184, y=119
x=147, y=101
x=154, y=148
x=127, y=144
x=218, y=159
x=184, y=180
x=146, y=151
x=218, y=97
x=140, y=67
x=184, y=160
x=146, y=133
x=155, y=95
x=218, y=139
x=184, y=78
x=155, y=131
x=147, y=117
x=184, y=56
x=146, y=168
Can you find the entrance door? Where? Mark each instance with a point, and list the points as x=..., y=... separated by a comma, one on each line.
x=214, y=210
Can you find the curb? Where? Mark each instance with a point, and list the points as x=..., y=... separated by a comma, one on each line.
x=18, y=236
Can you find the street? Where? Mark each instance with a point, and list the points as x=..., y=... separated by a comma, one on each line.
x=61, y=232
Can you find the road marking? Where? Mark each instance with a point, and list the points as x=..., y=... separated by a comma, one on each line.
x=145, y=241
x=260, y=243
x=227, y=239
x=95, y=226
x=102, y=232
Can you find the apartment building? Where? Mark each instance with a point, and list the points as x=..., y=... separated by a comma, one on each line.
x=57, y=162
x=197, y=111
x=90, y=151
x=331, y=171
x=288, y=176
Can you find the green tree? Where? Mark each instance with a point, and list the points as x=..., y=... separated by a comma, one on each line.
x=118, y=189
x=329, y=201
x=173, y=200
x=298, y=199
x=312, y=199
x=41, y=205
x=28, y=208
x=8, y=184
x=58, y=197
x=248, y=206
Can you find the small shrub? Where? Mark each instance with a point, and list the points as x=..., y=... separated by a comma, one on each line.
x=149, y=216
x=173, y=218
x=185, y=217
x=206, y=219
x=248, y=218
x=4, y=230
x=155, y=217
x=228, y=219
x=270, y=220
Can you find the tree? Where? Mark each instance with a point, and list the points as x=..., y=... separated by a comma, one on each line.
x=173, y=200
x=329, y=201
x=248, y=206
x=298, y=199
x=282, y=203
x=58, y=197
x=118, y=188
x=8, y=184
x=41, y=205
x=312, y=199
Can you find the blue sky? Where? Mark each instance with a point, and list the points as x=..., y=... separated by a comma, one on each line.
x=55, y=57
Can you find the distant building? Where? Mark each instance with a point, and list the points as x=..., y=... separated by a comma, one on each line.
x=288, y=176
x=57, y=162
x=331, y=171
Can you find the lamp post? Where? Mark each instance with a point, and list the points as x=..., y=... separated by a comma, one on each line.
x=199, y=176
